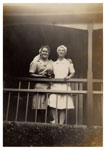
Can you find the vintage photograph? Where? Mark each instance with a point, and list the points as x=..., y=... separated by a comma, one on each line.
x=53, y=74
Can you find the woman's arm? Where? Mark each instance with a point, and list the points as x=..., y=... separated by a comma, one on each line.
x=71, y=72
x=36, y=75
x=33, y=69
x=69, y=76
x=35, y=59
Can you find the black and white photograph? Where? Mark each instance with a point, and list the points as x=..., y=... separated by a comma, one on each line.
x=52, y=74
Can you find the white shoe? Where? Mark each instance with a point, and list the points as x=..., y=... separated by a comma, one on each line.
x=52, y=121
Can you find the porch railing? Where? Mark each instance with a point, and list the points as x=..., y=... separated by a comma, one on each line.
x=15, y=88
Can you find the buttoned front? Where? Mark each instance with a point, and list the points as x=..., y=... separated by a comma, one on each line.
x=62, y=68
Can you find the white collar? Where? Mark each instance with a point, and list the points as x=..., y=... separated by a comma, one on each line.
x=59, y=61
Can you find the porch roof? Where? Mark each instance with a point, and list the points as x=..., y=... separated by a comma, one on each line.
x=60, y=14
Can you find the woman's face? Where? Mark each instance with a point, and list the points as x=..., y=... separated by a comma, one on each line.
x=61, y=52
x=44, y=53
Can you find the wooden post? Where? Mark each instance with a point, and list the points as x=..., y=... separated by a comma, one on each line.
x=81, y=105
x=90, y=77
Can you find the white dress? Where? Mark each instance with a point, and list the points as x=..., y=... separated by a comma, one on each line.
x=61, y=69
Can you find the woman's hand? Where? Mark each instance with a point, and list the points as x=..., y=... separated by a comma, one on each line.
x=42, y=73
x=36, y=75
x=67, y=78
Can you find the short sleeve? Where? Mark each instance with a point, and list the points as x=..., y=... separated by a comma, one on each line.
x=71, y=68
x=35, y=59
x=33, y=67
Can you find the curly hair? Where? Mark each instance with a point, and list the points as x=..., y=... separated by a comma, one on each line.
x=44, y=46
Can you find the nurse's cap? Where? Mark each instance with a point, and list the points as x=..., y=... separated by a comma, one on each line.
x=62, y=46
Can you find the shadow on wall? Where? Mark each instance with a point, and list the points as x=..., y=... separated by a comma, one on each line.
x=22, y=42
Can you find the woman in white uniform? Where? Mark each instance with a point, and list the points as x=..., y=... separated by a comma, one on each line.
x=63, y=69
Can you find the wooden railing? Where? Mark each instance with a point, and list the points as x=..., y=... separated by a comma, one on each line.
x=19, y=86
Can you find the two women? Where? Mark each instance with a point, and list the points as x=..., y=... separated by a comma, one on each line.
x=64, y=69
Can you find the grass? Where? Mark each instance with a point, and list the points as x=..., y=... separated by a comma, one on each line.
x=37, y=134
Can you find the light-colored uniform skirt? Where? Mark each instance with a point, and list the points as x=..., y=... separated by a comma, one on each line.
x=39, y=100
x=61, y=101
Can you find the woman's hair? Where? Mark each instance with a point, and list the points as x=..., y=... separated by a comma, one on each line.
x=62, y=46
x=44, y=46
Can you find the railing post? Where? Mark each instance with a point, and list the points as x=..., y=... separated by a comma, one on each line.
x=8, y=105
x=66, y=105
x=76, y=103
x=90, y=77
x=56, y=115
x=81, y=105
x=26, y=112
x=36, y=110
x=18, y=99
x=46, y=108
x=102, y=103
